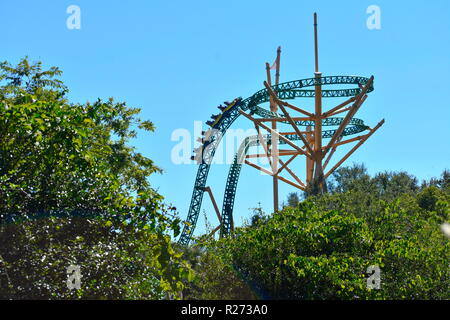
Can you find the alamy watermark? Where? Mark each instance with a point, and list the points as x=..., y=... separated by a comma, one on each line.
x=74, y=20
x=194, y=147
x=374, y=20
x=374, y=279
x=74, y=277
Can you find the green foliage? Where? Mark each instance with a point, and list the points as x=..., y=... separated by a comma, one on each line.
x=73, y=191
x=385, y=184
x=29, y=79
x=322, y=248
x=214, y=278
x=293, y=199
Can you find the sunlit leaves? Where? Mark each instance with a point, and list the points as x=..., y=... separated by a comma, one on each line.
x=73, y=190
x=321, y=249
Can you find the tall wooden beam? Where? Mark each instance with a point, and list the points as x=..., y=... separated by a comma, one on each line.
x=216, y=208
x=339, y=106
x=309, y=161
x=291, y=121
x=316, y=45
x=274, y=140
x=272, y=132
x=258, y=167
x=359, y=100
x=297, y=131
x=292, y=183
x=262, y=141
x=284, y=103
x=344, y=122
x=372, y=131
x=269, y=80
x=275, y=159
x=281, y=153
x=281, y=119
x=293, y=175
x=338, y=111
x=318, y=154
x=330, y=155
x=287, y=163
x=277, y=74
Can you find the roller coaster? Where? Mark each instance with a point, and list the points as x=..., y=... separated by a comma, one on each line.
x=276, y=95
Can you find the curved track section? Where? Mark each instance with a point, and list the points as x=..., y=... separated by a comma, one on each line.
x=287, y=90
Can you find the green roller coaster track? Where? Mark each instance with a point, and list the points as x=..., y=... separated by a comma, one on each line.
x=286, y=91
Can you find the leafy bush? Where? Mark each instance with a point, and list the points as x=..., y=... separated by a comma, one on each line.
x=73, y=191
x=322, y=248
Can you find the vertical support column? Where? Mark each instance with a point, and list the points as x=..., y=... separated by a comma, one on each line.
x=274, y=139
x=318, y=183
x=269, y=81
x=277, y=74
x=309, y=162
x=275, y=155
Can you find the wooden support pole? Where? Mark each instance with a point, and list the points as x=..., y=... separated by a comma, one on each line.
x=333, y=150
x=319, y=181
x=372, y=131
x=284, y=103
x=340, y=143
x=297, y=130
x=291, y=121
x=258, y=167
x=281, y=119
x=289, y=142
x=291, y=183
x=269, y=80
x=338, y=111
x=216, y=208
x=287, y=163
x=343, y=104
x=344, y=122
x=360, y=98
x=316, y=46
x=213, y=231
x=277, y=74
x=275, y=159
x=293, y=175
x=262, y=141
x=281, y=154
x=274, y=139
x=309, y=161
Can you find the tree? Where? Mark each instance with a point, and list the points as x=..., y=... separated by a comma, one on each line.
x=322, y=248
x=293, y=199
x=73, y=191
x=395, y=183
x=215, y=278
x=258, y=215
x=385, y=184
x=349, y=178
x=443, y=182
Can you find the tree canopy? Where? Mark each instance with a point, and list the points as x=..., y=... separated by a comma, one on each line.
x=324, y=246
x=73, y=191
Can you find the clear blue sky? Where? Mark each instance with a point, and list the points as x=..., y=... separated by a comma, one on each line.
x=177, y=60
